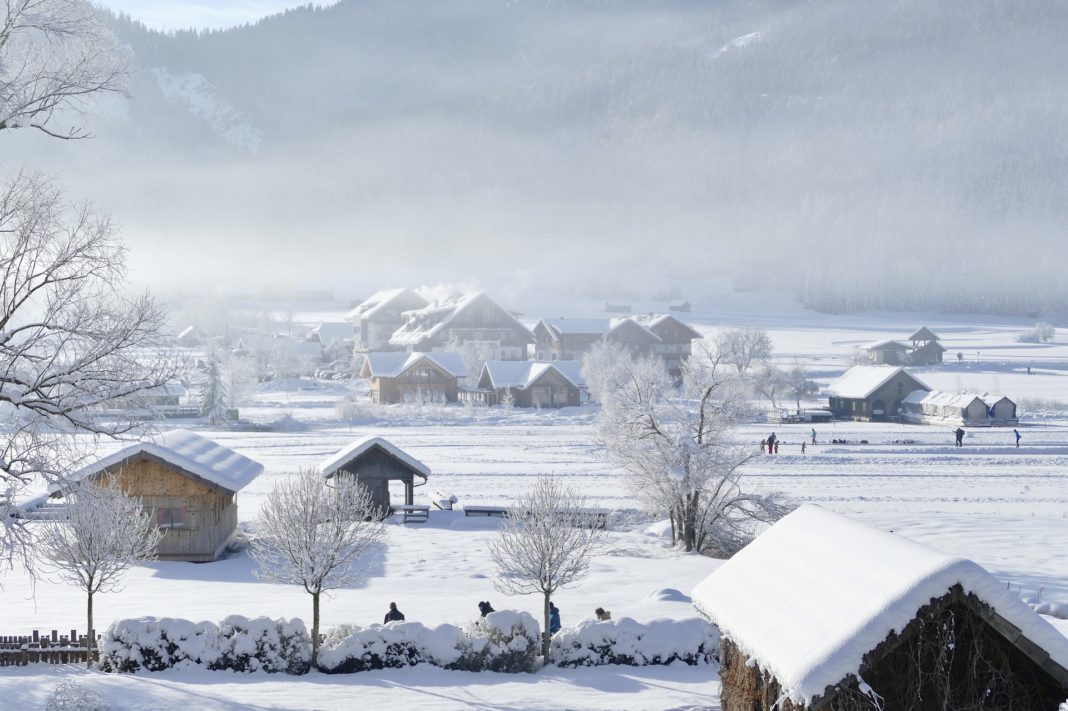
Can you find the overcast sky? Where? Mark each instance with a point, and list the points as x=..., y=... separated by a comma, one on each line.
x=184, y=14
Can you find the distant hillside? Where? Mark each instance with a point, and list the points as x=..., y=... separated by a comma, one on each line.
x=892, y=155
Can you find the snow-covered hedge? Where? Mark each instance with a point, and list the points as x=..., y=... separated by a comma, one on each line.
x=237, y=644
x=625, y=641
x=503, y=641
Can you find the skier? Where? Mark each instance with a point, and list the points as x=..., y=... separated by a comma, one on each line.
x=960, y=436
x=554, y=619
x=1017, y=433
x=394, y=615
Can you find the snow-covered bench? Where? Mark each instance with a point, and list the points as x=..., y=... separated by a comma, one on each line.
x=498, y=511
x=413, y=513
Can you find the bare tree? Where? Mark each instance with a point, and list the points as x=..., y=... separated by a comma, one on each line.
x=70, y=344
x=54, y=56
x=104, y=534
x=545, y=544
x=740, y=347
x=315, y=535
x=677, y=450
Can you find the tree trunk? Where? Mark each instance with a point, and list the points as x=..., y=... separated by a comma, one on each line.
x=546, y=637
x=88, y=634
x=315, y=629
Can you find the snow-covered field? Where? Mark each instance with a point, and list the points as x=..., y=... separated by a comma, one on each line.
x=1004, y=507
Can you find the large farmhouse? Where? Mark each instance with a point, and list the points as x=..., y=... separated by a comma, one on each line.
x=376, y=318
x=872, y=392
x=469, y=319
x=413, y=377
x=188, y=483
x=872, y=620
x=660, y=335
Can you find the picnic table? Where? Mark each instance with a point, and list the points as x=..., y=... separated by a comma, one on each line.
x=413, y=513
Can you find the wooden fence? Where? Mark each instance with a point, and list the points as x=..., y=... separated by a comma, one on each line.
x=41, y=648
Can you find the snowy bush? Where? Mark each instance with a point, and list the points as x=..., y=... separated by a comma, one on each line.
x=1042, y=333
x=503, y=641
x=71, y=695
x=625, y=641
x=237, y=644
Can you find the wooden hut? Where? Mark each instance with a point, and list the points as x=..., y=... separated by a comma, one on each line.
x=885, y=353
x=871, y=392
x=926, y=350
x=188, y=483
x=375, y=462
x=872, y=620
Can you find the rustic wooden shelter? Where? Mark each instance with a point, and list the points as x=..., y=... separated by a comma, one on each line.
x=398, y=377
x=375, y=462
x=886, y=353
x=926, y=350
x=872, y=392
x=189, y=484
x=908, y=628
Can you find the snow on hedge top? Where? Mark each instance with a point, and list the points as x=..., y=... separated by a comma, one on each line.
x=392, y=364
x=860, y=381
x=357, y=448
x=199, y=456
x=817, y=591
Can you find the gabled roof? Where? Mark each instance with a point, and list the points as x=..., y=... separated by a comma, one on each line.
x=887, y=345
x=575, y=326
x=197, y=456
x=330, y=466
x=524, y=373
x=392, y=364
x=850, y=585
x=425, y=323
x=943, y=399
x=379, y=300
x=924, y=334
x=657, y=323
x=628, y=322
x=860, y=381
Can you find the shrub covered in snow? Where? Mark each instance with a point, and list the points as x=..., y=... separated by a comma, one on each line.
x=503, y=641
x=625, y=641
x=71, y=695
x=237, y=644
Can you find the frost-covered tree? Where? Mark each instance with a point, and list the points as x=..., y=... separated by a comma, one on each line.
x=676, y=447
x=103, y=535
x=54, y=56
x=545, y=544
x=743, y=347
x=600, y=364
x=314, y=535
x=214, y=390
x=70, y=342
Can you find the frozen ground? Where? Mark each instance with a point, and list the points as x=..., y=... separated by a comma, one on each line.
x=1004, y=507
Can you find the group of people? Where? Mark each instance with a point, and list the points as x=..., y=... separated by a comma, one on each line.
x=771, y=444
x=959, y=433
x=484, y=608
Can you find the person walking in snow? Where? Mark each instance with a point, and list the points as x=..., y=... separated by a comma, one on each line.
x=763, y=445
x=485, y=608
x=960, y=436
x=1017, y=433
x=554, y=619
x=802, y=446
x=394, y=615
x=776, y=446
x=603, y=615
x=813, y=436
x=771, y=443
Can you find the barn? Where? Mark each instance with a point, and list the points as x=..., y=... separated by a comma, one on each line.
x=375, y=462
x=872, y=392
x=188, y=483
x=907, y=627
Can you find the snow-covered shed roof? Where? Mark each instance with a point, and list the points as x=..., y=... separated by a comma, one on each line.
x=391, y=364
x=943, y=399
x=380, y=299
x=197, y=456
x=576, y=326
x=523, y=373
x=991, y=399
x=924, y=334
x=886, y=345
x=860, y=381
x=850, y=586
x=331, y=465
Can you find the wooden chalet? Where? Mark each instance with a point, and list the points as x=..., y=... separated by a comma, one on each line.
x=872, y=392
x=413, y=377
x=530, y=384
x=886, y=353
x=567, y=338
x=375, y=462
x=676, y=339
x=376, y=319
x=188, y=483
x=872, y=620
x=472, y=318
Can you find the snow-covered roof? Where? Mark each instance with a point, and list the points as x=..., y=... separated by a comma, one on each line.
x=943, y=399
x=330, y=331
x=886, y=345
x=391, y=364
x=576, y=326
x=195, y=455
x=629, y=321
x=924, y=334
x=523, y=373
x=860, y=381
x=653, y=321
x=331, y=465
x=849, y=586
x=380, y=299
x=427, y=322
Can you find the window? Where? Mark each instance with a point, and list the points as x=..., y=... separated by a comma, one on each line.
x=177, y=517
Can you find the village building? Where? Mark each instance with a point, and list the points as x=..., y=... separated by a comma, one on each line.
x=529, y=384
x=660, y=335
x=872, y=392
x=922, y=348
x=926, y=350
x=376, y=319
x=872, y=620
x=471, y=319
x=375, y=462
x=958, y=409
x=676, y=339
x=187, y=483
x=885, y=353
x=567, y=338
x=422, y=378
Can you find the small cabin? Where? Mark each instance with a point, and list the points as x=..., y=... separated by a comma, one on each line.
x=375, y=462
x=872, y=392
x=188, y=483
x=872, y=620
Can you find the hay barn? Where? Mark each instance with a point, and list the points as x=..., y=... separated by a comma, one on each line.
x=872, y=392
x=872, y=620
